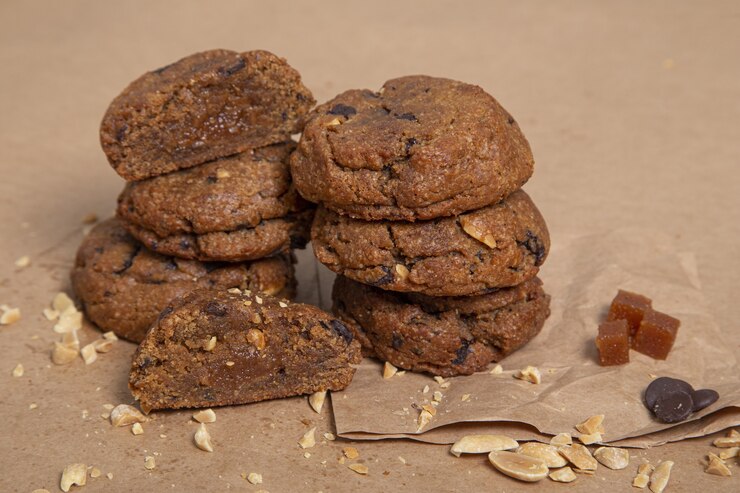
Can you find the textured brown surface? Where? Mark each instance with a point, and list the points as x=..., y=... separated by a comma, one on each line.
x=205, y=106
x=442, y=259
x=123, y=286
x=422, y=147
x=268, y=237
x=441, y=336
x=299, y=349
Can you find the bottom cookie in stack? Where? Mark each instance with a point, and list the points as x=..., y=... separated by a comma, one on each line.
x=444, y=336
x=123, y=286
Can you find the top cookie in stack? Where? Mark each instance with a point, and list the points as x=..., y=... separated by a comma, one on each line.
x=421, y=204
x=204, y=145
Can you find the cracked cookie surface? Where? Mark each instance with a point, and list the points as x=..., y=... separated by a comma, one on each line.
x=238, y=208
x=421, y=148
x=497, y=246
x=441, y=335
x=217, y=348
x=202, y=107
x=123, y=286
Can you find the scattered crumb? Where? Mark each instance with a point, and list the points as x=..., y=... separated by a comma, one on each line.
x=205, y=416
x=254, y=478
x=465, y=397
x=425, y=389
x=137, y=429
x=437, y=396
x=9, y=315
x=439, y=380
x=110, y=336
x=530, y=374
x=89, y=354
x=203, y=439
x=23, y=262
x=109, y=475
x=33, y=405
x=149, y=463
x=330, y=436
x=18, y=370
x=350, y=452
x=403, y=461
x=124, y=415
x=73, y=474
x=316, y=401
x=307, y=455
x=359, y=468
x=497, y=370
x=389, y=370
x=308, y=439
x=95, y=473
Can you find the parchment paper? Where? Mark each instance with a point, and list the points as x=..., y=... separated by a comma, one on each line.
x=582, y=274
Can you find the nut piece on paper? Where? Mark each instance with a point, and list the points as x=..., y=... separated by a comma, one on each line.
x=519, y=466
x=482, y=444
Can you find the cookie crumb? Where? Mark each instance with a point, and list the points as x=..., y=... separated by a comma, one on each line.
x=124, y=415
x=203, y=439
x=205, y=416
x=497, y=370
x=89, y=354
x=530, y=374
x=308, y=439
x=18, y=370
x=316, y=400
x=137, y=429
x=23, y=262
x=10, y=315
x=389, y=370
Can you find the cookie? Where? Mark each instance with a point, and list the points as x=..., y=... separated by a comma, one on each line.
x=441, y=336
x=420, y=148
x=497, y=246
x=123, y=286
x=217, y=348
x=237, y=208
x=205, y=106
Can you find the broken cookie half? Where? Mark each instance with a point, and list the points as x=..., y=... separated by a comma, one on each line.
x=217, y=347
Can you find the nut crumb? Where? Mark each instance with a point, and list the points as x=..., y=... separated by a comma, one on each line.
x=729, y=453
x=203, y=439
x=477, y=231
x=110, y=336
x=731, y=440
x=465, y=397
x=69, y=320
x=23, y=262
x=10, y=316
x=402, y=271
x=561, y=439
x=350, y=452
x=519, y=466
x=257, y=338
x=592, y=425
x=316, y=400
x=439, y=380
x=590, y=439
x=18, y=370
x=613, y=457
x=717, y=466
x=254, y=478
x=109, y=476
x=529, y=374
x=230, y=363
x=330, y=436
x=50, y=314
x=497, y=370
x=102, y=345
x=389, y=370
x=424, y=418
x=258, y=299
x=62, y=302
x=282, y=304
x=62, y=355
x=308, y=439
x=335, y=121
x=124, y=415
x=210, y=344
x=660, y=476
x=137, y=429
x=437, y=396
x=205, y=416
x=222, y=173
x=73, y=474
x=563, y=475
x=95, y=473
x=402, y=460
x=149, y=463
x=482, y=444
x=33, y=406
x=359, y=468
x=89, y=354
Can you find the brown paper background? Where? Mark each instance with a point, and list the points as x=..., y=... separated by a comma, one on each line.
x=631, y=109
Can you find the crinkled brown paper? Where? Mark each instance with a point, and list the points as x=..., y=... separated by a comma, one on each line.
x=582, y=274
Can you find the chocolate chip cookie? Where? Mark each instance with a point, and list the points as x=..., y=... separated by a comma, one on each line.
x=441, y=336
x=497, y=246
x=420, y=148
x=216, y=348
x=205, y=106
x=237, y=208
x=123, y=286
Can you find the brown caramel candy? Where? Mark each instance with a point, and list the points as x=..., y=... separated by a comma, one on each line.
x=630, y=307
x=656, y=334
x=613, y=343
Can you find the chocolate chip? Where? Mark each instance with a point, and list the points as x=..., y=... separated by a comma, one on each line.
x=216, y=309
x=410, y=143
x=184, y=244
x=397, y=341
x=211, y=179
x=704, y=398
x=129, y=261
x=462, y=352
x=342, y=330
x=388, y=277
x=663, y=385
x=121, y=132
x=535, y=246
x=165, y=312
x=407, y=116
x=673, y=406
x=343, y=110
x=171, y=264
x=226, y=71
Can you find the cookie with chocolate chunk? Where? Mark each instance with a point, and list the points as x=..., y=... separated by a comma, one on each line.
x=202, y=107
x=420, y=148
x=123, y=286
x=218, y=347
x=438, y=335
x=237, y=208
x=496, y=246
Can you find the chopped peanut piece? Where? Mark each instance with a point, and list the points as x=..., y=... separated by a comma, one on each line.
x=203, y=439
x=350, y=452
x=62, y=355
x=23, y=262
x=257, y=338
x=477, y=231
x=424, y=418
x=89, y=354
x=717, y=467
x=529, y=374
x=330, y=436
x=149, y=463
x=660, y=476
x=10, y=316
x=18, y=370
x=359, y=468
x=389, y=370
x=69, y=320
x=402, y=270
x=308, y=439
x=73, y=474
x=95, y=472
x=561, y=439
x=591, y=425
x=482, y=444
x=110, y=336
x=316, y=400
x=590, y=439
x=210, y=344
x=137, y=429
x=563, y=475
x=102, y=345
x=124, y=415
x=205, y=416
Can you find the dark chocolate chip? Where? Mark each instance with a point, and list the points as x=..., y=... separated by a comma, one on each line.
x=240, y=64
x=284, y=115
x=129, y=261
x=121, y=132
x=673, y=406
x=397, y=341
x=462, y=352
x=342, y=330
x=146, y=363
x=211, y=179
x=216, y=309
x=343, y=110
x=387, y=277
x=663, y=385
x=99, y=249
x=184, y=244
x=535, y=246
x=704, y=398
x=411, y=142
x=407, y=116
x=165, y=312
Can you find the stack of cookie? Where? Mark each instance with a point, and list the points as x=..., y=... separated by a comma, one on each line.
x=204, y=145
x=422, y=216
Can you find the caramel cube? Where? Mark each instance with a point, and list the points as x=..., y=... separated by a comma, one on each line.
x=656, y=334
x=630, y=307
x=613, y=343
